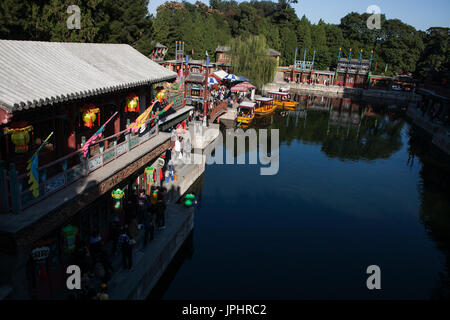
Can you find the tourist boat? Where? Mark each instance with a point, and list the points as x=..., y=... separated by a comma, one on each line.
x=264, y=106
x=246, y=112
x=282, y=99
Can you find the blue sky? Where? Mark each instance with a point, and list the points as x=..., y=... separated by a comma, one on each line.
x=418, y=13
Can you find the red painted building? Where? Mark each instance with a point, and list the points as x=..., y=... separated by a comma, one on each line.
x=70, y=89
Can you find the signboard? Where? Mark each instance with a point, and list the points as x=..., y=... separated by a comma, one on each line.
x=40, y=253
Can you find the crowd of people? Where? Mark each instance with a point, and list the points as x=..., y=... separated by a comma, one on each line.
x=223, y=93
x=141, y=212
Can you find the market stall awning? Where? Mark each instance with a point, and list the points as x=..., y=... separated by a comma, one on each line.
x=243, y=79
x=242, y=87
x=219, y=75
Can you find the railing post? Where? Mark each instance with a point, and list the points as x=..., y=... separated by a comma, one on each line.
x=14, y=188
x=3, y=189
x=127, y=136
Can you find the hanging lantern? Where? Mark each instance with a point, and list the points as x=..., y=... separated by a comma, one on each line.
x=118, y=195
x=69, y=234
x=20, y=136
x=160, y=94
x=89, y=115
x=189, y=200
x=132, y=103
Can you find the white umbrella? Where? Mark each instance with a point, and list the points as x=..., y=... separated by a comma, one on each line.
x=212, y=81
x=220, y=74
x=231, y=77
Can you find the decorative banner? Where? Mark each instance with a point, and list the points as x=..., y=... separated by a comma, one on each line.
x=132, y=103
x=32, y=167
x=97, y=135
x=137, y=124
x=89, y=115
x=20, y=137
x=149, y=177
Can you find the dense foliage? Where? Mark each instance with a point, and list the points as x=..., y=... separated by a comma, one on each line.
x=250, y=59
x=115, y=21
x=398, y=47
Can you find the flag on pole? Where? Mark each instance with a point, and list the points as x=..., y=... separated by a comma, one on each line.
x=136, y=125
x=33, y=165
x=97, y=135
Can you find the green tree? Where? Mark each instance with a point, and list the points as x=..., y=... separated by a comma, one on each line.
x=250, y=58
x=304, y=34
x=435, y=58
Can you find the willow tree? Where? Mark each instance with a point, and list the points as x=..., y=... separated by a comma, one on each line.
x=250, y=58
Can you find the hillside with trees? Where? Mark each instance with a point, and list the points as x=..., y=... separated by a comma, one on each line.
x=398, y=47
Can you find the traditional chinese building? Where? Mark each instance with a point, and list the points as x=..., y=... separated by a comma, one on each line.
x=70, y=90
x=352, y=73
x=196, y=83
x=158, y=53
x=302, y=71
x=223, y=59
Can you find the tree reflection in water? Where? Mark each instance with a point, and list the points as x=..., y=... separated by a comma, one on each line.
x=435, y=201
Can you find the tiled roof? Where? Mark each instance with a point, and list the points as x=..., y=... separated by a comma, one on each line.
x=195, y=77
x=354, y=61
x=222, y=49
x=274, y=53
x=35, y=73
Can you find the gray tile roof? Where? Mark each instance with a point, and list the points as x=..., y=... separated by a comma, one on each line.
x=222, y=49
x=354, y=61
x=195, y=77
x=35, y=73
x=274, y=53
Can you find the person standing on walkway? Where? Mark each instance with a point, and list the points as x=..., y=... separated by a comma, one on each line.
x=149, y=227
x=126, y=246
x=143, y=206
x=188, y=149
x=177, y=148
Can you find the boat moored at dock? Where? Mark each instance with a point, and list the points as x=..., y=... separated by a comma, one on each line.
x=282, y=99
x=246, y=112
x=264, y=106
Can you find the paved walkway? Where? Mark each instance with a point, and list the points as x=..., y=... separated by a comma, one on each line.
x=150, y=261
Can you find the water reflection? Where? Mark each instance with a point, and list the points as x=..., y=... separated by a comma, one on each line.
x=346, y=129
x=388, y=188
x=434, y=192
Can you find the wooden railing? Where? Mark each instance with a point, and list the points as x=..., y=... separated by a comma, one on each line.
x=14, y=187
x=217, y=110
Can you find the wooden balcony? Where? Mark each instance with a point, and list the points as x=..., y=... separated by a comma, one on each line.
x=71, y=188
